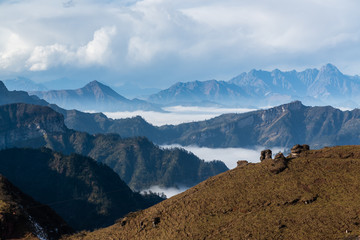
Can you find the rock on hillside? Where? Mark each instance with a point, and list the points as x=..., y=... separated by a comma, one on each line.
x=23, y=217
x=315, y=197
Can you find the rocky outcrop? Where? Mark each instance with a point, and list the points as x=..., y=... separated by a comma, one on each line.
x=266, y=154
x=242, y=163
x=297, y=149
x=21, y=122
x=279, y=163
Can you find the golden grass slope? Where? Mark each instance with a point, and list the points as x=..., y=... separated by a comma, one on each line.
x=316, y=197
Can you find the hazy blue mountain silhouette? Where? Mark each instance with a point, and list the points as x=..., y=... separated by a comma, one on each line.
x=262, y=88
x=94, y=96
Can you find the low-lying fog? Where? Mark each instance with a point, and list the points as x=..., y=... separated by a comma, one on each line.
x=178, y=114
x=182, y=114
x=228, y=155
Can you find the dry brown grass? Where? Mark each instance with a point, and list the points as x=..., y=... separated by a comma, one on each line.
x=316, y=197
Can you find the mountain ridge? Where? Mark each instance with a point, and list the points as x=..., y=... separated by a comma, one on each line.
x=139, y=162
x=280, y=126
x=326, y=85
x=94, y=96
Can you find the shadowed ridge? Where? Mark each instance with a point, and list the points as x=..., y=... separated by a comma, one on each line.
x=85, y=193
x=138, y=161
x=7, y=97
x=22, y=216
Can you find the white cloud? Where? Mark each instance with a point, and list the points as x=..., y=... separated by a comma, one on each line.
x=12, y=49
x=97, y=50
x=169, y=192
x=229, y=156
x=177, y=114
x=44, y=57
x=175, y=39
x=94, y=52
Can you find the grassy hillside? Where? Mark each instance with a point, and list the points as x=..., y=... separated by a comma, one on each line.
x=316, y=197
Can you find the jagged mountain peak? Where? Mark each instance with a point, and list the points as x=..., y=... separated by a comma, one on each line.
x=98, y=88
x=97, y=84
x=94, y=96
x=295, y=105
x=329, y=70
x=329, y=67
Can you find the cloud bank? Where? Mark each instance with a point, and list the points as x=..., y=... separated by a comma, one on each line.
x=169, y=192
x=177, y=114
x=228, y=155
x=160, y=41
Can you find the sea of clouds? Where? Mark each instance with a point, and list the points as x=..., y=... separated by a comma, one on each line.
x=228, y=155
x=182, y=114
x=178, y=114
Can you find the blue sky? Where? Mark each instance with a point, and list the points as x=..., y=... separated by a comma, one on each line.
x=154, y=43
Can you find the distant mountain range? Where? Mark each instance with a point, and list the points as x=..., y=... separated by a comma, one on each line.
x=94, y=96
x=21, y=217
x=23, y=84
x=281, y=126
x=262, y=88
x=256, y=88
x=200, y=93
x=7, y=96
x=315, y=197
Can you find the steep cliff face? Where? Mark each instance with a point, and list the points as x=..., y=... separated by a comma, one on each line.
x=21, y=122
x=21, y=216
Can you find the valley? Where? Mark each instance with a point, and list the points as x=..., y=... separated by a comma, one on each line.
x=105, y=176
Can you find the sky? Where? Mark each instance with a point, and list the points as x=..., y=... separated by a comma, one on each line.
x=155, y=43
